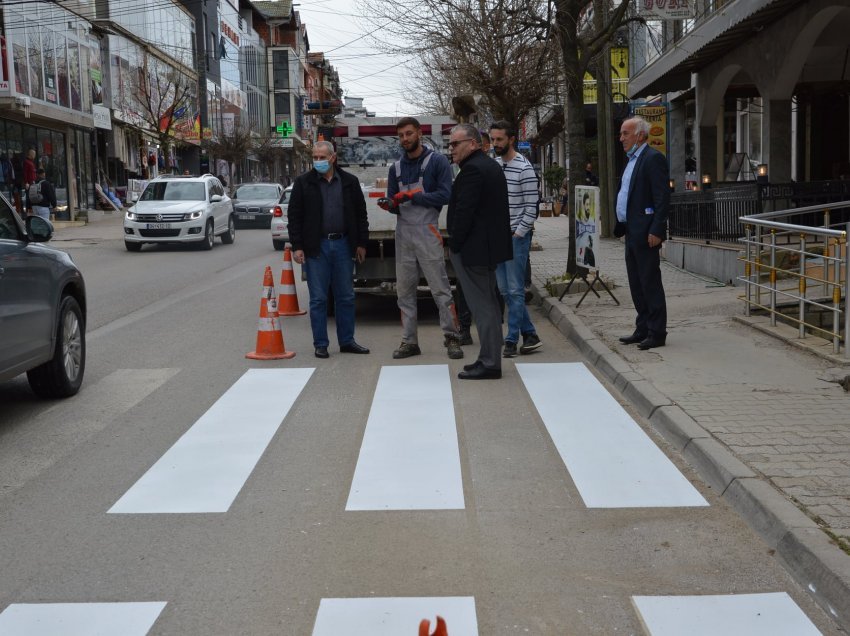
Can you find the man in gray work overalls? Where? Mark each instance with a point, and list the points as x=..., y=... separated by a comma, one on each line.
x=419, y=185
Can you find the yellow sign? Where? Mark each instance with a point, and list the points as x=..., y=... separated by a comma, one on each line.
x=657, y=118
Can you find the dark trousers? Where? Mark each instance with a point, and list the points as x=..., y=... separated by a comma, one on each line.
x=479, y=286
x=643, y=264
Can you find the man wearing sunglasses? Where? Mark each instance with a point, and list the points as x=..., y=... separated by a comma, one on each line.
x=479, y=239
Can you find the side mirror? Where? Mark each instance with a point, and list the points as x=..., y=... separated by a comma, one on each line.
x=216, y=198
x=39, y=230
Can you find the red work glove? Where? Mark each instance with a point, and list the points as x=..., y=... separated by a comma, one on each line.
x=401, y=197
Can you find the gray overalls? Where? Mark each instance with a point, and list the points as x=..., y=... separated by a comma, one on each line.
x=418, y=244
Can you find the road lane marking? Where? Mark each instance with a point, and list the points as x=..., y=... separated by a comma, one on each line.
x=394, y=616
x=613, y=463
x=207, y=467
x=409, y=458
x=79, y=619
x=731, y=615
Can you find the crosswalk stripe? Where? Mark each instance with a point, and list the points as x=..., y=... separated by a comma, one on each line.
x=394, y=616
x=773, y=614
x=613, y=463
x=409, y=459
x=79, y=619
x=207, y=467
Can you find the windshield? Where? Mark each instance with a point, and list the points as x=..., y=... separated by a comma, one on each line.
x=285, y=197
x=174, y=191
x=256, y=192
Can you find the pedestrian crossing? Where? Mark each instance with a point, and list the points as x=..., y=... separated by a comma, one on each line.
x=409, y=457
x=409, y=460
x=79, y=619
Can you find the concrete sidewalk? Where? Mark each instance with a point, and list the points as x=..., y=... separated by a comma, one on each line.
x=765, y=424
x=100, y=226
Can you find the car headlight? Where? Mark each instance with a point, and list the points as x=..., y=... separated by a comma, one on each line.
x=191, y=216
x=130, y=216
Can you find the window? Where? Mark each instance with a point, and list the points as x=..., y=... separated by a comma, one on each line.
x=281, y=103
x=280, y=70
x=8, y=225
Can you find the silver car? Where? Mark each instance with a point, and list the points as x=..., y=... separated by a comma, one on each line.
x=42, y=308
x=175, y=209
x=280, y=219
x=253, y=203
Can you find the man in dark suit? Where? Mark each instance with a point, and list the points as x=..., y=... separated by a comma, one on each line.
x=479, y=239
x=642, y=205
x=328, y=227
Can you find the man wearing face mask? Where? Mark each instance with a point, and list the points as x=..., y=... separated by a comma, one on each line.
x=642, y=205
x=328, y=227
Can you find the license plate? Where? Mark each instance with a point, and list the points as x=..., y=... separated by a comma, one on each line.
x=246, y=217
x=159, y=226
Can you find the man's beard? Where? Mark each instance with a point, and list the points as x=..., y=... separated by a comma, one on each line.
x=501, y=151
x=414, y=146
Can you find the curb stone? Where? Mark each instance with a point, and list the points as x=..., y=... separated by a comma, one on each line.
x=804, y=549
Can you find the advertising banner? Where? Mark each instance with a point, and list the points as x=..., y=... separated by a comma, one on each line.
x=666, y=9
x=587, y=225
x=657, y=118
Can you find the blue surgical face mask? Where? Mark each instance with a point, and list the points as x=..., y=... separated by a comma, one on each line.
x=322, y=166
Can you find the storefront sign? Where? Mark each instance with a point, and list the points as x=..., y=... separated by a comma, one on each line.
x=666, y=9
x=5, y=88
x=102, y=117
x=657, y=118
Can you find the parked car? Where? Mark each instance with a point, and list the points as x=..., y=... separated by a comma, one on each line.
x=280, y=218
x=178, y=209
x=42, y=308
x=253, y=203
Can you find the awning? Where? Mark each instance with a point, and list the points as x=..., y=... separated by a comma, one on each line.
x=549, y=125
x=719, y=34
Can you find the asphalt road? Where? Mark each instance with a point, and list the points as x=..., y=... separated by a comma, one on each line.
x=168, y=332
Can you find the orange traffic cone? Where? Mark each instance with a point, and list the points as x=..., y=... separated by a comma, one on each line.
x=269, y=337
x=288, y=303
x=425, y=627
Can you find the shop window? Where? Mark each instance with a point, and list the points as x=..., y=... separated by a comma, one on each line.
x=62, y=72
x=36, y=61
x=74, y=76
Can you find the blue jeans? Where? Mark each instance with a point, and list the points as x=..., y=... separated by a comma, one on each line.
x=510, y=276
x=331, y=269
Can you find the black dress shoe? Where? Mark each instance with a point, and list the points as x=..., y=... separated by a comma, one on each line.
x=650, y=343
x=480, y=373
x=322, y=352
x=635, y=337
x=353, y=347
x=474, y=365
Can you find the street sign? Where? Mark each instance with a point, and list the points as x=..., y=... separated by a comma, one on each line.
x=284, y=129
x=523, y=145
x=287, y=143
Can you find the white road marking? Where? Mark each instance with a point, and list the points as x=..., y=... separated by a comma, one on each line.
x=207, y=467
x=613, y=463
x=730, y=615
x=409, y=459
x=79, y=619
x=394, y=616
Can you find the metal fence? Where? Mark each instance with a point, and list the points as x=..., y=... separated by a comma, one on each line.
x=796, y=268
x=715, y=214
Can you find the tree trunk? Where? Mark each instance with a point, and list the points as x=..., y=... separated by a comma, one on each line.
x=604, y=123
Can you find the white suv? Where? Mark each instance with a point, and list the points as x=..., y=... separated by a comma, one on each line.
x=177, y=209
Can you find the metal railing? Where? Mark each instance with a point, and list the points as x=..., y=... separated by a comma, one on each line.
x=714, y=214
x=799, y=272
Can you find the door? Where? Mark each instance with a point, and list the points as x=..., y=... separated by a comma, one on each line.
x=26, y=290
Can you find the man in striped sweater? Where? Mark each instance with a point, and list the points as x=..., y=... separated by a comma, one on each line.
x=510, y=275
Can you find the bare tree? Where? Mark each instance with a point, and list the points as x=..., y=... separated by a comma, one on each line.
x=233, y=144
x=268, y=148
x=164, y=94
x=486, y=48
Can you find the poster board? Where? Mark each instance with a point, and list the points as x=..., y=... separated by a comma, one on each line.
x=656, y=116
x=586, y=201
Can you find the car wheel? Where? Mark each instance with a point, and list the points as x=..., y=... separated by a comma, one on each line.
x=133, y=247
x=278, y=245
x=62, y=375
x=228, y=237
x=209, y=237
